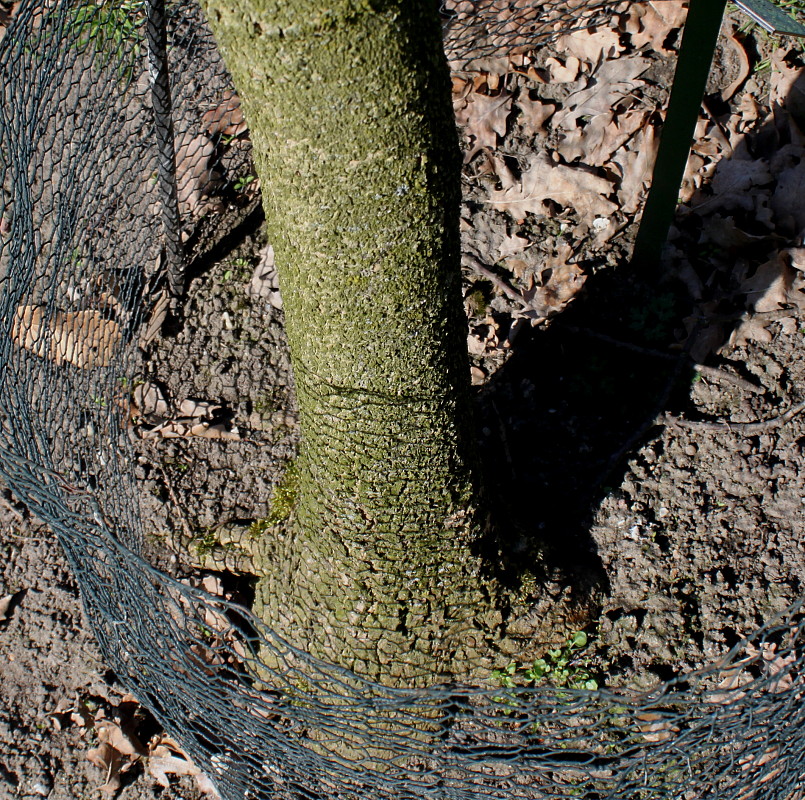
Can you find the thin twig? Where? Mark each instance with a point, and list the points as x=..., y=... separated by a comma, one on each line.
x=746, y=428
x=711, y=372
x=720, y=374
x=745, y=315
x=475, y=264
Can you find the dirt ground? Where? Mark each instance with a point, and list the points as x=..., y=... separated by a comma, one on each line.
x=633, y=423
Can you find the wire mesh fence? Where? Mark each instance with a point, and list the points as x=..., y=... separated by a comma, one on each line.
x=84, y=287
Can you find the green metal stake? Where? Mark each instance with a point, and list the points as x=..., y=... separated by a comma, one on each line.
x=699, y=41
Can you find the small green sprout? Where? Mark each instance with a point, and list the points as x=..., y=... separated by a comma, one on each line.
x=243, y=181
x=561, y=667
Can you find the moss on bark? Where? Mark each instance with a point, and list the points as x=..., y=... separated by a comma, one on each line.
x=348, y=105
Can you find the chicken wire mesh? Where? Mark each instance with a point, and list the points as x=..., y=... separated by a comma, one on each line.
x=85, y=277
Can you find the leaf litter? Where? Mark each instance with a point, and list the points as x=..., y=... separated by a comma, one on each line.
x=569, y=133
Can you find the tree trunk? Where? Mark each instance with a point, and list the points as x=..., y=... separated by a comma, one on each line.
x=348, y=104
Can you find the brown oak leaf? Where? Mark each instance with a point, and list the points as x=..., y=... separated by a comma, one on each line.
x=569, y=187
x=484, y=119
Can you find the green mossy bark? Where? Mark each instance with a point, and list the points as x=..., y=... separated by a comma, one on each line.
x=348, y=104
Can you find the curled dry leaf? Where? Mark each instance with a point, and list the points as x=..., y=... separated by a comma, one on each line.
x=112, y=763
x=7, y=604
x=191, y=418
x=182, y=429
x=115, y=754
x=84, y=339
x=149, y=400
x=729, y=688
x=196, y=409
x=165, y=758
x=742, y=59
x=227, y=118
x=651, y=23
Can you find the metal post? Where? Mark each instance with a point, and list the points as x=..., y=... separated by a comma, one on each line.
x=157, y=41
x=699, y=41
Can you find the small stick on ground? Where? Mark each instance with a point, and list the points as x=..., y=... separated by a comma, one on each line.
x=710, y=372
x=746, y=428
x=473, y=263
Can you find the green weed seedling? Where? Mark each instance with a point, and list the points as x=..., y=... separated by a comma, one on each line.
x=113, y=30
x=242, y=182
x=562, y=667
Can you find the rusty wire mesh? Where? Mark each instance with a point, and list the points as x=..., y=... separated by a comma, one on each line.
x=81, y=276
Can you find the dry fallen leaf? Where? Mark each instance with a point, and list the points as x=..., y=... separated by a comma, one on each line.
x=115, y=754
x=81, y=338
x=786, y=198
x=736, y=181
x=612, y=84
x=167, y=758
x=597, y=142
x=655, y=727
x=569, y=187
x=562, y=282
x=187, y=418
x=153, y=325
x=788, y=87
x=149, y=400
x=5, y=606
x=774, y=285
x=591, y=45
x=112, y=763
x=566, y=72
x=195, y=179
x=740, y=56
x=534, y=114
x=637, y=165
x=651, y=23
x=227, y=118
x=265, y=281
x=511, y=245
x=484, y=119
